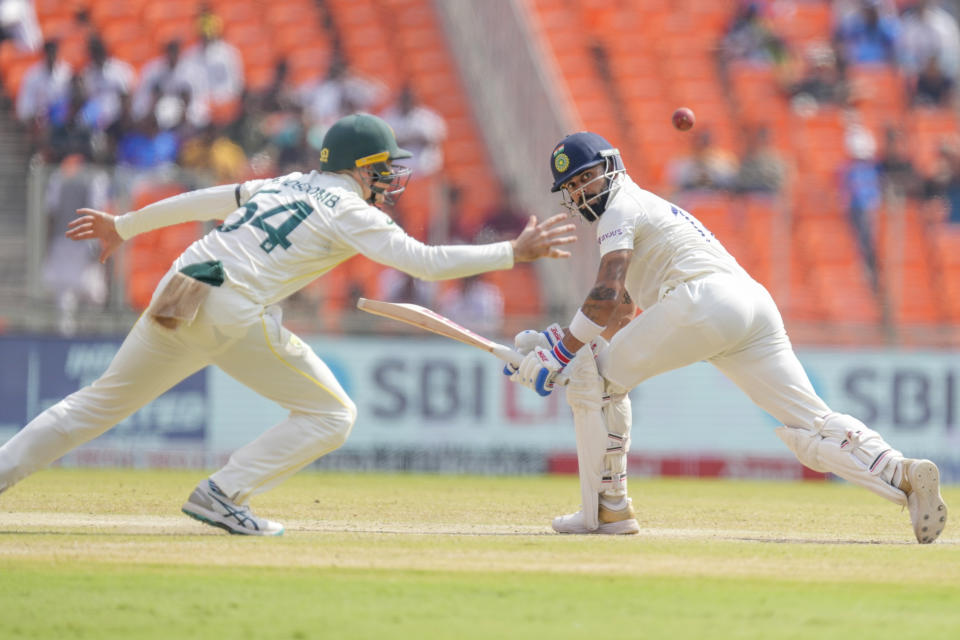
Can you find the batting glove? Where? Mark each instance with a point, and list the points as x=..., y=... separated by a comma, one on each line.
x=540, y=367
x=528, y=339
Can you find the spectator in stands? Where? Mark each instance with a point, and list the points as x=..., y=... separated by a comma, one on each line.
x=862, y=190
x=154, y=142
x=931, y=88
x=398, y=286
x=944, y=184
x=419, y=129
x=72, y=269
x=707, y=168
x=172, y=75
x=867, y=37
x=286, y=136
x=213, y=158
x=475, y=304
x=44, y=83
x=452, y=225
x=280, y=93
x=749, y=38
x=929, y=30
x=423, y=131
x=219, y=63
x=108, y=81
x=340, y=93
x=18, y=22
x=762, y=168
x=72, y=123
x=271, y=116
x=823, y=81
x=897, y=174
x=506, y=217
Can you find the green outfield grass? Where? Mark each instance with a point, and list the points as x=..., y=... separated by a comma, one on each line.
x=107, y=554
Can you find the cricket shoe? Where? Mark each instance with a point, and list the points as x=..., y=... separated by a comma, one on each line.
x=209, y=504
x=928, y=511
x=612, y=522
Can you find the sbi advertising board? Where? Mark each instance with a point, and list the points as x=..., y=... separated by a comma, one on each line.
x=434, y=404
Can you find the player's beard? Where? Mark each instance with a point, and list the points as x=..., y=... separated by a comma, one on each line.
x=594, y=206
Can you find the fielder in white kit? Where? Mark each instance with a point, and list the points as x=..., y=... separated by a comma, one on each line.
x=698, y=304
x=216, y=306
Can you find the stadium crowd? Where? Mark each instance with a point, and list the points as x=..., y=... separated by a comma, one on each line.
x=188, y=118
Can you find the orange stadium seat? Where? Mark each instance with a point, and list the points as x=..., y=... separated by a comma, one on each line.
x=140, y=285
x=803, y=301
x=308, y=64
x=182, y=10
x=879, y=92
x=232, y=11
x=13, y=65
x=253, y=40
x=947, y=244
x=167, y=30
x=907, y=267
x=57, y=25
x=827, y=238
x=914, y=300
x=258, y=75
x=119, y=29
x=289, y=37
x=13, y=76
x=709, y=18
x=520, y=288
x=151, y=254
x=927, y=129
x=73, y=49
x=47, y=7
x=136, y=52
x=102, y=11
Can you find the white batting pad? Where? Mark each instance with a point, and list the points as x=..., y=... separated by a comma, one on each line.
x=843, y=445
x=618, y=417
x=585, y=396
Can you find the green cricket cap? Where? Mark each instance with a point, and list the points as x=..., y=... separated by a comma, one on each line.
x=359, y=140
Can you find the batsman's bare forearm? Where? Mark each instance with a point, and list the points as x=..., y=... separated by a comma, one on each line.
x=608, y=300
x=609, y=291
x=622, y=315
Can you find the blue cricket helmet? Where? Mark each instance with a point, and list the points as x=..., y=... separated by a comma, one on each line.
x=577, y=152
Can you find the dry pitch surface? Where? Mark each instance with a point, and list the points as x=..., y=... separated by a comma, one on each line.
x=106, y=554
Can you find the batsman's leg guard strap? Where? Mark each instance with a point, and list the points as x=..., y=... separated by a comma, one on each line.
x=843, y=445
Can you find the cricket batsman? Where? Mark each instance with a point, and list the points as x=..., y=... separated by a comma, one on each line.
x=698, y=304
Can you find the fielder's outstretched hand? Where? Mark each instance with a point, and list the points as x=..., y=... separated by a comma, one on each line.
x=95, y=224
x=541, y=240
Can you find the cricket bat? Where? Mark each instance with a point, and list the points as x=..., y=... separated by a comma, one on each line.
x=423, y=318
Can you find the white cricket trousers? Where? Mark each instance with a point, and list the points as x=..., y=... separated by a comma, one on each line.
x=256, y=351
x=733, y=323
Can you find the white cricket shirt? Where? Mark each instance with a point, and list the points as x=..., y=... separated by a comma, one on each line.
x=669, y=245
x=292, y=229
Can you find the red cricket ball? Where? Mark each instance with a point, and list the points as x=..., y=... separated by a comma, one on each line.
x=683, y=118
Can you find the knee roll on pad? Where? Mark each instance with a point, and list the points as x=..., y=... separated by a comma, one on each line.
x=841, y=444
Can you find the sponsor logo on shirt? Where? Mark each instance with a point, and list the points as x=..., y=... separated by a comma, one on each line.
x=610, y=234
